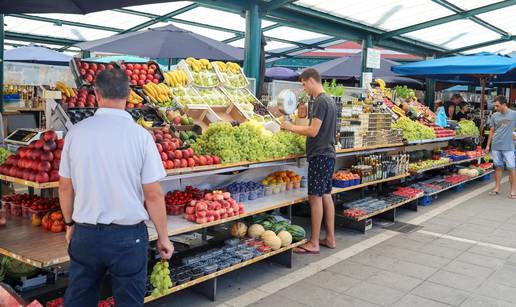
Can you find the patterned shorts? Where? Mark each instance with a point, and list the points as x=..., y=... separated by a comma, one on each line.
x=320, y=172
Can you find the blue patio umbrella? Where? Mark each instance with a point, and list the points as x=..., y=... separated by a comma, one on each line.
x=465, y=68
x=36, y=54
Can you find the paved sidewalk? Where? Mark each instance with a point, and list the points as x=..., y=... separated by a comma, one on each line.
x=465, y=255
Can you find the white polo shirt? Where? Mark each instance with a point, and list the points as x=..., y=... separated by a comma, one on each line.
x=108, y=157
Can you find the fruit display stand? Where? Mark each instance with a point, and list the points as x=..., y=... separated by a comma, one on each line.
x=202, y=115
x=30, y=184
x=420, y=171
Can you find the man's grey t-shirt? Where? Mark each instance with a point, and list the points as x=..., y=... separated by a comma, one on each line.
x=323, y=108
x=503, y=124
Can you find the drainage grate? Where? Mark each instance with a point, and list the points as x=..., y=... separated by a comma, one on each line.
x=403, y=227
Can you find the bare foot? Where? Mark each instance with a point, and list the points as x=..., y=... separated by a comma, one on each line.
x=327, y=243
x=308, y=248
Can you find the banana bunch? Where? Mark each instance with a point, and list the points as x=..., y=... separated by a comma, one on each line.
x=228, y=66
x=144, y=123
x=134, y=98
x=158, y=93
x=65, y=89
x=381, y=83
x=399, y=111
x=176, y=78
x=198, y=65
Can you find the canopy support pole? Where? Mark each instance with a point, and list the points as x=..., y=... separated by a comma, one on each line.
x=482, y=106
x=366, y=43
x=2, y=35
x=253, y=36
x=430, y=93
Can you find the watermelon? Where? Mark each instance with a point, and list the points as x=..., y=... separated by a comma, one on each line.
x=267, y=225
x=278, y=227
x=298, y=233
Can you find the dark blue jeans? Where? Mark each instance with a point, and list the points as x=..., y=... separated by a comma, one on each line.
x=119, y=250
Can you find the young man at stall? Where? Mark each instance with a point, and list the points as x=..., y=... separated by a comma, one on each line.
x=464, y=110
x=109, y=167
x=320, y=152
x=501, y=143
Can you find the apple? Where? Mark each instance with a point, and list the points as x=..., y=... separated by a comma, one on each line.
x=32, y=176
x=143, y=77
x=184, y=163
x=102, y=67
x=90, y=72
x=209, y=160
x=130, y=66
x=151, y=71
x=19, y=173
x=81, y=105
x=137, y=66
x=136, y=71
x=21, y=163
x=47, y=156
x=156, y=81
x=191, y=162
x=197, y=160
x=42, y=177
x=135, y=77
x=202, y=160
x=171, y=155
x=216, y=160
x=164, y=156
x=57, y=154
x=55, y=164
x=165, y=146
x=49, y=146
x=82, y=71
x=160, y=148
x=35, y=165
x=60, y=143
x=54, y=175
x=12, y=171
x=141, y=82
x=150, y=77
x=129, y=73
x=145, y=66
x=85, y=65
x=177, y=163
x=26, y=174
x=91, y=98
x=179, y=154
x=88, y=78
x=185, y=153
x=170, y=164
x=44, y=166
x=159, y=138
x=134, y=82
x=172, y=146
x=36, y=154
x=93, y=66
x=177, y=120
x=190, y=152
x=50, y=135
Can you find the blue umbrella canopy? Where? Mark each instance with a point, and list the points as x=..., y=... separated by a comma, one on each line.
x=462, y=67
x=36, y=54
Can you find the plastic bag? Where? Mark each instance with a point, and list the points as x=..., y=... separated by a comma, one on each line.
x=441, y=118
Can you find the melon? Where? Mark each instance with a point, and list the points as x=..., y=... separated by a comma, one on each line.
x=267, y=233
x=273, y=241
x=255, y=231
x=238, y=230
x=285, y=237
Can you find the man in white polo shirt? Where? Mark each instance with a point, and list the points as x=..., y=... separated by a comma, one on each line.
x=109, y=166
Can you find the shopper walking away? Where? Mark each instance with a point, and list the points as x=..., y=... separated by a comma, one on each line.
x=320, y=151
x=501, y=143
x=109, y=166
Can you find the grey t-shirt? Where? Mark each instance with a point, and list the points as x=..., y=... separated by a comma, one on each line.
x=503, y=125
x=323, y=108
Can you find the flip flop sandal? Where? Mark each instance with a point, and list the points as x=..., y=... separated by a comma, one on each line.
x=303, y=250
x=494, y=193
x=511, y=196
x=325, y=244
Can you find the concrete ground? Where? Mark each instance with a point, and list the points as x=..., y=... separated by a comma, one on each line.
x=464, y=255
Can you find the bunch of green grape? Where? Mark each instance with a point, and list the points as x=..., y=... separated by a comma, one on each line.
x=160, y=278
x=468, y=127
x=413, y=130
x=4, y=153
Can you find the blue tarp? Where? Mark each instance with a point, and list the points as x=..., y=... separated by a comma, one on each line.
x=463, y=68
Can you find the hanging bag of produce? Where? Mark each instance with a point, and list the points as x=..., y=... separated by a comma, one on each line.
x=441, y=118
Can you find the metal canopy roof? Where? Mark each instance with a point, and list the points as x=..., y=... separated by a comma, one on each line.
x=424, y=27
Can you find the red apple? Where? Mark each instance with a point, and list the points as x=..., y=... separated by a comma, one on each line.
x=141, y=82
x=177, y=163
x=150, y=77
x=164, y=156
x=85, y=65
x=91, y=99
x=216, y=160
x=135, y=77
x=82, y=71
x=12, y=171
x=19, y=173
x=47, y=156
x=134, y=82
x=50, y=135
x=88, y=78
x=102, y=67
x=49, y=146
x=143, y=77
x=197, y=160
x=44, y=166
x=171, y=155
x=151, y=71
x=42, y=177
x=26, y=174
x=209, y=160
x=90, y=72
x=32, y=176
x=156, y=81
x=130, y=66
x=190, y=152
x=136, y=71
x=93, y=66
x=159, y=137
x=179, y=154
x=191, y=162
x=57, y=154
x=55, y=164
x=145, y=66
x=185, y=153
x=54, y=175
x=184, y=163
x=137, y=66
x=147, y=81
x=129, y=73
x=21, y=163
x=170, y=164
x=160, y=148
x=165, y=146
x=202, y=160
x=81, y=105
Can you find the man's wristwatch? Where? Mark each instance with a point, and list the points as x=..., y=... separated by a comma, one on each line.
x=70, y=223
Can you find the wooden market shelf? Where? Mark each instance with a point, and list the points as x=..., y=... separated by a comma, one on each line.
x=372, y=214
x=362, y=185
x=46, y=185
x=444, y=165
x=32, y=245
x=224, y=271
